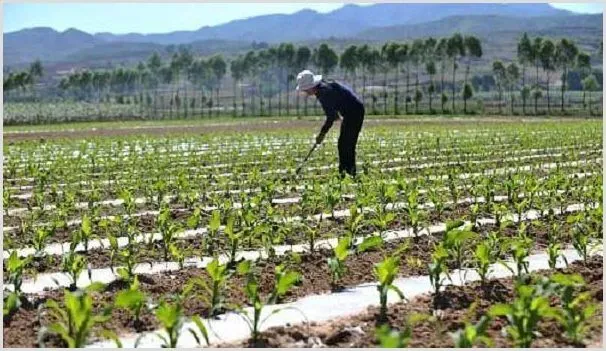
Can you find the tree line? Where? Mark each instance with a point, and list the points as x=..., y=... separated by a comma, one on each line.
x=427, y=70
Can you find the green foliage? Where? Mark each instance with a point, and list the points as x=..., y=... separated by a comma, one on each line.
x=170, y=317
x=576, y=308
x=386, y=271
x=519, y=248
x=473, y=334
x=74, y=323
x=483, y=261
x=73, y=264
x=438, y=268
x=15, y=266
x=389, y=338
x=524, y=314
x=285, y=280
x=219, y=275
x=132, y=299
x=456, y=239
x=336, y=264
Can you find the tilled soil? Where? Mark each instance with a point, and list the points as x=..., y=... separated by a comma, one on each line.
x=22, y=329
x=457, y=305
x=67, y=176
x=249, y=125
x=147, y=223
x=438, y=168
x=196, y=246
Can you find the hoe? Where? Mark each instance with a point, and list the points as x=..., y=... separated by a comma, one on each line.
x=306, y=158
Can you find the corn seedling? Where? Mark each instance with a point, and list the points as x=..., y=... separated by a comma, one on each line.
x=74, y=323
x=284, y=281
x=133, y=300
x=524, y=314
x=336, y=264
x=473, y=334
x=576, y=308
x=219, y=274
x=386, y=271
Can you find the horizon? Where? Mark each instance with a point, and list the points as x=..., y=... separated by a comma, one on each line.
x=64, y=16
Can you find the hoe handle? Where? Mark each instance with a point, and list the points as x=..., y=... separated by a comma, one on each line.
x=306, y=158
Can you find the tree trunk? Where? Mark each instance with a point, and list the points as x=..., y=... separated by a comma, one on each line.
x=243, y=100
x=500, y=100
x=185, y=105
x=407, y=86
x=416, y=89
x=536, y=97
x=465, y=85
x=217, y=104
x=364, y=86
x=385, y=92
x=203, y=102
x=261, y=110
x=443, y=69
x=454, y=74
x=373, y=96
x=234, y=113
x=523, y=86
x=252, y=100
x=269, y=104
x=548, y=102
x=564, y=76
x=511, y=98
x=287, y=98
x=279, y=95
x=430, y=91
x=155, y=102
x=395, y=96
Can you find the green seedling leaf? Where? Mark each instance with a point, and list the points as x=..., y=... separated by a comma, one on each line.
x=370, y=243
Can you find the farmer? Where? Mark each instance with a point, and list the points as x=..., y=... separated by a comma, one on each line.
x=336, y=98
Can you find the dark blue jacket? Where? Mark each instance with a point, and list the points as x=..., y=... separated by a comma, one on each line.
x=338, y=98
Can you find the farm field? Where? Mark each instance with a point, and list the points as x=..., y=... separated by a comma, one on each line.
x=451, y=230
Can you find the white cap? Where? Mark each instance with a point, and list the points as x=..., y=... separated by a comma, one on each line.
x=307, y=80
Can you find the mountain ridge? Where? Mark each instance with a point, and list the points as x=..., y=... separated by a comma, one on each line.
x=348, y=22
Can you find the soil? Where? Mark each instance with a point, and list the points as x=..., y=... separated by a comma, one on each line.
x=147, y=223
x=99, y=258
x=67, y=175
x=249, y=126
x=319, y=174
x=22, y=329
x=456, y=305
x=329, y=228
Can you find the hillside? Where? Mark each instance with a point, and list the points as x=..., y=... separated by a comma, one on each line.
x=374, y=21
x=488, y=25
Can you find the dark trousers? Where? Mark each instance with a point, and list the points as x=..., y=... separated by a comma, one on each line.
x=348, y=139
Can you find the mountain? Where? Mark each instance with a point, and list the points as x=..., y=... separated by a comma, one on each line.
x=394, y=14
x=349, y=23
x=486, y=26
x=305, y=24
x=500, y=34
x=343, y=22
x=44, y=43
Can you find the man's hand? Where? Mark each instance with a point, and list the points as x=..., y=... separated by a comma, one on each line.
x=320, y=138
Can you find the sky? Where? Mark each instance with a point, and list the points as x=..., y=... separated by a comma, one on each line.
x=120, y=18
